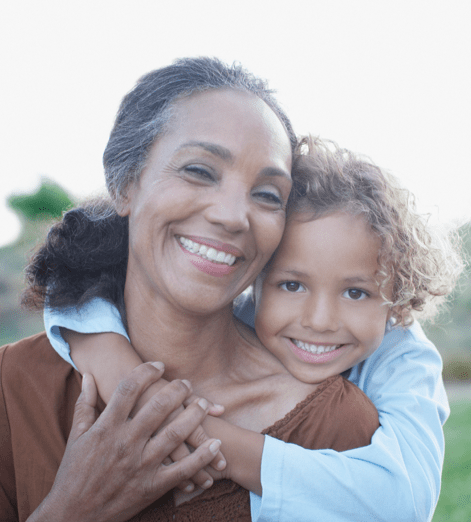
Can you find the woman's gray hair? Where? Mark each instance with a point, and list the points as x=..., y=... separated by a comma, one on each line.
x=147, y=108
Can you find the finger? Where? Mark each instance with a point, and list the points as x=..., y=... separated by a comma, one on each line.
x=177, y=431
x=129, y=390
x=193, y=463
x=202, y=478
x=85, y=412
x=198, y=437
x=214, y=409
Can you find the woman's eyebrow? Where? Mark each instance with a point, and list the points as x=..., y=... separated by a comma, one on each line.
x=272, y=171
x=212, y=148
x=226, y=155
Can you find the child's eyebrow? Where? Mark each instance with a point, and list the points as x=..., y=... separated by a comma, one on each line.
x=360, y=279
x=291, y=273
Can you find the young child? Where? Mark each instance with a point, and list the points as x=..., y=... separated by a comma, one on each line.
x=354, y=261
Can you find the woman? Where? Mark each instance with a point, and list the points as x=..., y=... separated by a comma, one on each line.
x=212, y=163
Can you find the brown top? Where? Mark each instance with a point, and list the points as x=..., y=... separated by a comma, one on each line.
x=38, y=391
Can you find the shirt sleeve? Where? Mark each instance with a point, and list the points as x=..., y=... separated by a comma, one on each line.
x=397, y=477
x=96, y=316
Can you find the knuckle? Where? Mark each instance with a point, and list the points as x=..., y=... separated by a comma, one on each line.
x=123, y=449
x=127, y=387
x=160, y=404
x=198, y=437
x=182, y=473
x=173, y=434
x=99, y=432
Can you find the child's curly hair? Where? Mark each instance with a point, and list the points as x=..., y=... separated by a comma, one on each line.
x=422, y=262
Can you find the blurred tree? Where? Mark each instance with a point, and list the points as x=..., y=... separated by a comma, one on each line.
x=49, y=201
x=451, y=332
x=36, y=211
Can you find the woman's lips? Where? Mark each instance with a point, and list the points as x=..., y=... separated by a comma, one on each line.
x=217, y=245
x=316, y=353
x=207, y=258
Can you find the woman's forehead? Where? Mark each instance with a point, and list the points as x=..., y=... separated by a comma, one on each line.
x=220, y=112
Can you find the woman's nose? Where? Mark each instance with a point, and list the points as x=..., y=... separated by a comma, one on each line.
x=229, y=208
x=321, y=315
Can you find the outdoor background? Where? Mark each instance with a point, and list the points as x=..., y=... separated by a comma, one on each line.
x=387, y=79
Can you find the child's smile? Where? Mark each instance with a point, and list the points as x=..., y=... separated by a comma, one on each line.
x=320, y=310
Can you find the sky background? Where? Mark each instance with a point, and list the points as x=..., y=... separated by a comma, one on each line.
x=388, y=79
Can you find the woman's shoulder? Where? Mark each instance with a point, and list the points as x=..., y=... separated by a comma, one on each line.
x=337, y=415
x=38, y=391
x=27, y=353
x=30, y=366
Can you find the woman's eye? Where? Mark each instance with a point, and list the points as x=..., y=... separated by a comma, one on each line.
x=270, y=197
x=292, y=286
x=199, y=172
x=355, y=294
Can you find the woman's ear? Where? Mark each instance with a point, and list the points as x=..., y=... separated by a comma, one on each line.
x=122, y=206
x=122, y=202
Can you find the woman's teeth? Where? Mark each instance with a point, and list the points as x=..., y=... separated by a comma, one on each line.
x=210, y=253
x=315, y=348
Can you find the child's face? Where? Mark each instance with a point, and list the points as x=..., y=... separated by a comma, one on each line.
x=320, y=311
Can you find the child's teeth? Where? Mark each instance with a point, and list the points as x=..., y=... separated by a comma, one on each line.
x=315, y=348
x=206, y=252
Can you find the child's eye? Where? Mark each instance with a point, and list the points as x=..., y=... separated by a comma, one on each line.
x=199, y=172
x=292, y=286
x=355, y=294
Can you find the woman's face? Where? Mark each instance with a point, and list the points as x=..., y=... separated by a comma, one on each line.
x=209, y=209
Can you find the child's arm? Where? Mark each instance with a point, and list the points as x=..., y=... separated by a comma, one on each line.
x=109, y=357
x=243, y=452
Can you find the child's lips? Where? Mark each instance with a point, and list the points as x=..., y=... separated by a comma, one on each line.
x=320, y=353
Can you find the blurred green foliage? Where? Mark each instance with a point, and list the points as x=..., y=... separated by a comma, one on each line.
x=454, y=504
x=451, y=332
x=37, y=212
x=49, y=201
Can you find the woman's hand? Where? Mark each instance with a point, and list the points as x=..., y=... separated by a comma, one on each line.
x=113, y=466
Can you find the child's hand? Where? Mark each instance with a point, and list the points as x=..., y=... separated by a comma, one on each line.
x=204, y=478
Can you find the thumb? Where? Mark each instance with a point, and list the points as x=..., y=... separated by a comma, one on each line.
x=85, y=412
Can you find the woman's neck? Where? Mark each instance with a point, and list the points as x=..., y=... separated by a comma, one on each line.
x=194, y=347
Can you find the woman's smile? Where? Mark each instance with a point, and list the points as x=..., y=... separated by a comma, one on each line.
x=207, y=258
x=211, y=250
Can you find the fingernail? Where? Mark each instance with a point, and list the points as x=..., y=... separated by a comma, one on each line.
x=159, y=365
x=187, y=384
x=85, y=378
x=214, y=446
x=221, y=465
x=189, y=488
x=207, y=484
x=203, y=404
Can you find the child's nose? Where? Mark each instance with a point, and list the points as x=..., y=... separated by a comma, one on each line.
x=321, y=314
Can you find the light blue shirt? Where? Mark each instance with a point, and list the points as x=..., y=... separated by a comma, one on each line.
x=395, y=478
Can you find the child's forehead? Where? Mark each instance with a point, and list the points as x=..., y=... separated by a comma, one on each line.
x=337, y=234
